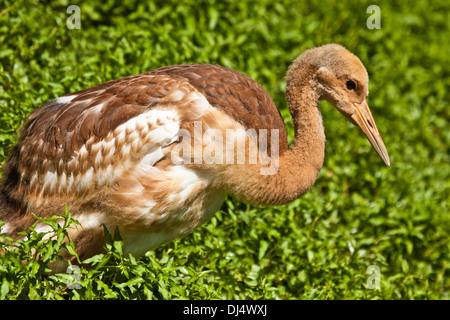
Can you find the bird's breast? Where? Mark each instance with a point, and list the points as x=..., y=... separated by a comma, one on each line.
x=155, y=205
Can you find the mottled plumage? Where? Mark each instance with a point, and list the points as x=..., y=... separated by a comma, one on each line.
x=106, y=151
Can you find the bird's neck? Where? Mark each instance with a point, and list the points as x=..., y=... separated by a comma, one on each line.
x=308, y=147
x=299, y=166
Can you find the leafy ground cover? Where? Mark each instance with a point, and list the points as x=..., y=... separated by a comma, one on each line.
x=359, y=213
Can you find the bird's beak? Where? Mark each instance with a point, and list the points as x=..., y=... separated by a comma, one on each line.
x=363, y=119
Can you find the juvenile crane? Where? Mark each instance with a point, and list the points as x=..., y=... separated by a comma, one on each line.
x=107, y=151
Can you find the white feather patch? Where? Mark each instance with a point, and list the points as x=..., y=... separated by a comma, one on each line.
x=50, y=180
x=187, y=179
x=90, y=220
x=6, y=228
x=65, y=99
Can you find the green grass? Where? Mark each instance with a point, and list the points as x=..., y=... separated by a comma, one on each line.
x=359, y=213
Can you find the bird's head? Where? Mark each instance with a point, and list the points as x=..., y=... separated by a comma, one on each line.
x=342, y=80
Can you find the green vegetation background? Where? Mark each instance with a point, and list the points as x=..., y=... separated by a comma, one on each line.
x=359, y=213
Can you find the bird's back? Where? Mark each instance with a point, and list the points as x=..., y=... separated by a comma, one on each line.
x=236, y=94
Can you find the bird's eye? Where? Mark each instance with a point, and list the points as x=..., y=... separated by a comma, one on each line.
x=351, y=85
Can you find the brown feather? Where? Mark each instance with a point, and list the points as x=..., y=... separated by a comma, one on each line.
x=229, y=90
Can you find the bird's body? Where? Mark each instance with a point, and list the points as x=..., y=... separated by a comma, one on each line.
x=105, y=151
x=108, y=153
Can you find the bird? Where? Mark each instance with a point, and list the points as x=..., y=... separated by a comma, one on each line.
x=152, y=155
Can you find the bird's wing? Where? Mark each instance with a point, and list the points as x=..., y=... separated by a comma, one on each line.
x=82, y=141
x=237, y=95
